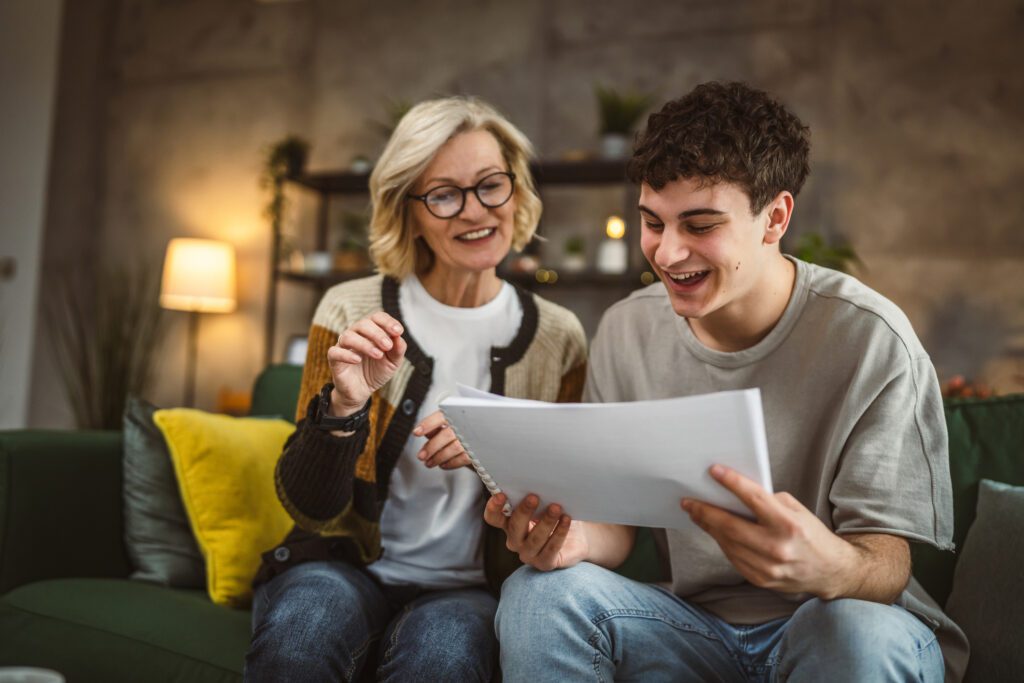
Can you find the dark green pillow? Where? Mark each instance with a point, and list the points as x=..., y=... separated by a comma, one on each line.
x=157, y=533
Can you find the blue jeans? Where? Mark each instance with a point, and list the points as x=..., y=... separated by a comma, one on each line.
x=589, y=624
x=323, y=621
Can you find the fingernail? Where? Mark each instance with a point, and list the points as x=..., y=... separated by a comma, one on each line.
x=418, y=431
x=717, y=471
x=554, y=511
x=397, y=329
x=687, y=504
x=501, y=498
x=531, y=501
x=421, y=455
x=444, y=425
x=377, y=353
x=387, y=343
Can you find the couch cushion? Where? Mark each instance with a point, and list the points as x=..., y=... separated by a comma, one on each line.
x=276, y=391
x=986, y=441
x=119, y=630
x=156, y=528
x=987, y=601
x=225, y=469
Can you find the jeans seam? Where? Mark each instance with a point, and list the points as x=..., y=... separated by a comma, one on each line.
x=657, y=616
x=406, y=611
x=356, y=654
x=596, y=661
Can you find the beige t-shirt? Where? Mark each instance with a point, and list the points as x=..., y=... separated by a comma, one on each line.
x=852, y=411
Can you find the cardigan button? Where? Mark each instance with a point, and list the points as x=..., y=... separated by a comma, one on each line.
x=408, y=406
x=282, y=554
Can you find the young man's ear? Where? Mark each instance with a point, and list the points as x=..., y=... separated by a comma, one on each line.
x=777, y=213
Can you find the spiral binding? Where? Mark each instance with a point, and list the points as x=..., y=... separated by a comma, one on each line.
x=481, y=472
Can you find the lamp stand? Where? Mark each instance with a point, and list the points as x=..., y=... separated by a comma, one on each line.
x=190, y=359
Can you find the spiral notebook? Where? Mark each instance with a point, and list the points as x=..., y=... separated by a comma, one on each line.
x=625, y=463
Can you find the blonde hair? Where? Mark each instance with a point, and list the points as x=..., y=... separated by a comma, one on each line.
x=413, y=145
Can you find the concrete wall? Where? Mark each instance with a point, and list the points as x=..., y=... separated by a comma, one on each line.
x=915, y=113
x=29, y=41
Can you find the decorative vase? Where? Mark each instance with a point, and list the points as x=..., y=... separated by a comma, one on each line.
x=574, y=263
x=614, y=146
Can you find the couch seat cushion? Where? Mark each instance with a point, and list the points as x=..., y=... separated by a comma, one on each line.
x=121, y=630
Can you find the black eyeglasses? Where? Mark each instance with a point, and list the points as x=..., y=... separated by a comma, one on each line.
x=448, y=201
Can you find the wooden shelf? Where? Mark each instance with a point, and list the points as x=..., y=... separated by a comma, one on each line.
x=590, y=172
x=324, y=280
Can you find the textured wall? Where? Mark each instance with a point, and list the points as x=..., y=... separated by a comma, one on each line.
x=916, y=117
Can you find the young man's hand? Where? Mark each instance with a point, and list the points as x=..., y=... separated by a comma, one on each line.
x=788, y=549
x=551, y=541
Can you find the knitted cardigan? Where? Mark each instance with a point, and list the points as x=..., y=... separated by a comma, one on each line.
x=335, y=487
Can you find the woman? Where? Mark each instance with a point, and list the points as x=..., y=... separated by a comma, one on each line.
x=388, y=552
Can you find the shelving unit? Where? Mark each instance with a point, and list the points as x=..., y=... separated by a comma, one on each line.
x=328, y=186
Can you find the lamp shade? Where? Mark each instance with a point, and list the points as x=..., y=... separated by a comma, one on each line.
x=199, y=275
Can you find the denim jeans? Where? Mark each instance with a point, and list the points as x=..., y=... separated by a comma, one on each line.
x=324, y=621
x=589, y=624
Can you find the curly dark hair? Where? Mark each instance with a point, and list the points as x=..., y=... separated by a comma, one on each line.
x=724, y=132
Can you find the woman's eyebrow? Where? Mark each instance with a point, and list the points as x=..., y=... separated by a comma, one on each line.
x=451, y=181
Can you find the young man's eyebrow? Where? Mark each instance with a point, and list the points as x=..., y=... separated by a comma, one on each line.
x=701, y=212
x=688, y=214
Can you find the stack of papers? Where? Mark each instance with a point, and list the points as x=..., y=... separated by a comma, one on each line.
x=624, y=463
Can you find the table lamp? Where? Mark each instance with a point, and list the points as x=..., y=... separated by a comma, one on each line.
x=199, y=277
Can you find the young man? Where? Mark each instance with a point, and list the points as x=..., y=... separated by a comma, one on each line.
x=815, y=588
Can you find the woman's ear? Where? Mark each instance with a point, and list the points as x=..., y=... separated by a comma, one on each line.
x=777, y=213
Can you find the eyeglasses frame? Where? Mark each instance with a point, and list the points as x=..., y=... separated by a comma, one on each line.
x=475, y=189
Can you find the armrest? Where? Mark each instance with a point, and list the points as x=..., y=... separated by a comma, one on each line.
x=60, y=506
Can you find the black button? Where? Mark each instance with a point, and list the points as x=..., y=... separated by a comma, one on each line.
x=425, y=370
x=408, y=406
x=282, y=554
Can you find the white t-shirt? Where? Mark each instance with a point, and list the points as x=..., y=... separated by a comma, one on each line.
x=432, y=522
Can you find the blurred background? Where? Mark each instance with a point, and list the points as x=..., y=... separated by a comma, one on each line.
x=129, y=123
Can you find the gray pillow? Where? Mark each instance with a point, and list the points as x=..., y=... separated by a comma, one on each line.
x=988, y=587
x=159, y=539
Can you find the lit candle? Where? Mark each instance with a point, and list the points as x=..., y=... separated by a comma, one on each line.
x=612, y=256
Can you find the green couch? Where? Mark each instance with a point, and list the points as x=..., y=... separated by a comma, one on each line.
x=67, y=603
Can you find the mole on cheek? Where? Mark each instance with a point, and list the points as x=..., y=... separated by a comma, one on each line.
x=737, y=265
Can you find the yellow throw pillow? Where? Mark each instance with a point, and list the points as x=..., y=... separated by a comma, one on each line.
x=225, y=469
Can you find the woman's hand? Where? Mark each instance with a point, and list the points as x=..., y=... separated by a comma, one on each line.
x=366, y=356
x=443, y=447
x=552, y=541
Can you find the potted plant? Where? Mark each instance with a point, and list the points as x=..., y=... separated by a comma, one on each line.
x=619, y=113
x=351, y=254
x=812, y=247
x=575, y=258
x=285, y=159
x=395, y=109
x=106, y=335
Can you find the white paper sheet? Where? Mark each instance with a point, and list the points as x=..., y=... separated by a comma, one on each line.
x=626, y=463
